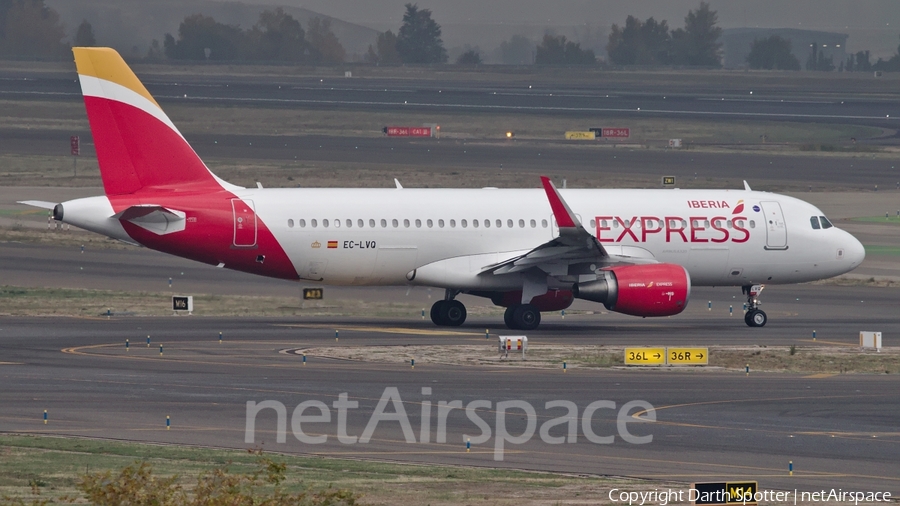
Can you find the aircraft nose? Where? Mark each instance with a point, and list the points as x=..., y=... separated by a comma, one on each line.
x=854, y=251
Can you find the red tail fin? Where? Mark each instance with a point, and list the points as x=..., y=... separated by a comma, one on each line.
x=138, y=147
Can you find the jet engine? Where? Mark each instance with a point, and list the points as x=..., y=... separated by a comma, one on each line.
x=639, y=290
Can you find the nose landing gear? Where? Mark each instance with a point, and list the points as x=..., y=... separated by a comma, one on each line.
x=754, y=317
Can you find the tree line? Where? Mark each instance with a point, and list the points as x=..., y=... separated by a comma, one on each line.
x=776, y=53
x=276, y=36
x=32, y=30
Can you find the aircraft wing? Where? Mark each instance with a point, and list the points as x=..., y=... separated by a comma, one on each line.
x=575, y=245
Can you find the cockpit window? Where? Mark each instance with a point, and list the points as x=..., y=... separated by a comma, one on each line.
x=825, y=222
x=814, y=221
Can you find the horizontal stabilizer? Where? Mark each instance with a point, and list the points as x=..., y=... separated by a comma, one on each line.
x=38, y=203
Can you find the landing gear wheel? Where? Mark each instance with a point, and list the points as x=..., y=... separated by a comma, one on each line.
x=756, y=318
x=526, y=317
x=453, y=313
x=508, y=317
x=436, y=312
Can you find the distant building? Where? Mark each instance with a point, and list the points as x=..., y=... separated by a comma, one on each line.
x=736, y=44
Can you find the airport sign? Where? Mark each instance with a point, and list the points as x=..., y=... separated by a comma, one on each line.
x=724, y=493
x=645, y=356
x=668, y=180
x=313, y=293
x=580, y=136
x=687, y=356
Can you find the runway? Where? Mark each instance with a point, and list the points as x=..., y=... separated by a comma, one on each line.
x=838, y=430
x=841, y=101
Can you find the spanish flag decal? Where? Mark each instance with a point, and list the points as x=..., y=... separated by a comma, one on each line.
x=332, y=244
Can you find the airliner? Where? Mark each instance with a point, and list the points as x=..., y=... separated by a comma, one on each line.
x=637, y=252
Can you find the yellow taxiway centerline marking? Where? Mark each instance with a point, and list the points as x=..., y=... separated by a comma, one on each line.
x=836, y=343
x=382, y=330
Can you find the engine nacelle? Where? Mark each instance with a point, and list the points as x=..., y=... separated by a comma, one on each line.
x=640, y=290
x=553, y=300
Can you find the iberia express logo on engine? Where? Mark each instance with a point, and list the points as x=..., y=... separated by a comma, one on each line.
x=723, y=224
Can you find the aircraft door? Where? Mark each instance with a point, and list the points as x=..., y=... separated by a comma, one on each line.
x=244, y=223
x=776, y=230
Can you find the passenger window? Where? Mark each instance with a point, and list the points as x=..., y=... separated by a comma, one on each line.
x=429, y=223
x=814, y=221
x=475, y=223
x=544, y=223
x=290, y=223
x=615, y=223
x=464, y=223
x=499, y=223
x=383, y=223
x=325, y=223
x=452, y=223
x=302, y=223
x=395, y=223
x=418, y=223
x=825, y=222
x=360, y=223
x=337, y=223
x=533, y=224
x=509, y=223
x=441, y=223
x=752, y=224
x=521, y=223
x=349, y=223
x=593, y=223
x=371, y=223
x=314, y=223
x=406, y=223
x=729, y=223
x=487, y=223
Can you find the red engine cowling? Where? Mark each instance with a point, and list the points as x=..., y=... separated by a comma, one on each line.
x=553, y=300
x=640, y=290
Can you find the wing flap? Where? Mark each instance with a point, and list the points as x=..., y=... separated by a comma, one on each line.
x=574, y=246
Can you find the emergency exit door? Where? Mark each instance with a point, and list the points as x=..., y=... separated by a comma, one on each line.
x=776, y=231
x=244, y=223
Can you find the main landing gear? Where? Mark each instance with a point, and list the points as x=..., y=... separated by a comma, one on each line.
x=448, y=313
x=522, y=317
x=754, y=317
x=452, y=313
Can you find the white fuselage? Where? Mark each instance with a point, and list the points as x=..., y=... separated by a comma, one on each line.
x=380, y=236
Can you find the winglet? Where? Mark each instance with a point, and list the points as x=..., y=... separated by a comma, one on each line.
x=565, y=218
x=397, y=183
x=747, y=186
